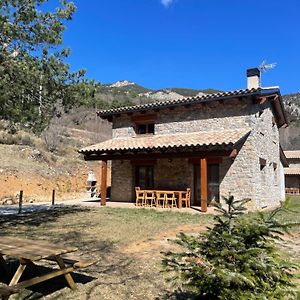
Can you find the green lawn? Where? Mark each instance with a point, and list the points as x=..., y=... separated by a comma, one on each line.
x=127, y=242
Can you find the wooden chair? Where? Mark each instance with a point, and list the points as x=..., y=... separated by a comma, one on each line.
x=140, y=196
x=160, y=199
x=149, y=198
x=170, y=199
x=186, y=198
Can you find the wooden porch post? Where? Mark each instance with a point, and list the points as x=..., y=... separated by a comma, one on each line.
x=103, y=182
x=203, y=184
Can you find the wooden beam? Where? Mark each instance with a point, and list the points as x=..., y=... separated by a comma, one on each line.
x=149, y=155
x=142, y=119
x=68, y=276
x=103, y=182
x=262, y=100
x=203, y=184
x=233, y=153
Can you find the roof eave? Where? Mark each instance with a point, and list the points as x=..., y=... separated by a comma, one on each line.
x=106, y=114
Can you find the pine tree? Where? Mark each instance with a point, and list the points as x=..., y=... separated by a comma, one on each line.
x=34, y=78
x=235, y=259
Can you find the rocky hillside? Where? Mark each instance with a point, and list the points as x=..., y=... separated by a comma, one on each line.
x=290, y=136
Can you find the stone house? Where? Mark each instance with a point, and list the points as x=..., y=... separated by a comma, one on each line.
x=217, y=144
x=292, y=173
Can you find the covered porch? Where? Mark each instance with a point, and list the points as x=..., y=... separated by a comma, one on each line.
x=199, y=161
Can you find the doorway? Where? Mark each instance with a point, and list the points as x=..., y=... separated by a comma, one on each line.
x=213, y=184
x=144, y=177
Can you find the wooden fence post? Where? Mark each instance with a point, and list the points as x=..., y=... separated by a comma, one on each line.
x=20, y=202
x=53, y=197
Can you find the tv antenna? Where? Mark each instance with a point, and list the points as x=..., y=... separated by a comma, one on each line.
x=264, y=67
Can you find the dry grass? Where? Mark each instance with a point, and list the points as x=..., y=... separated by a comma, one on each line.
x=126, y=242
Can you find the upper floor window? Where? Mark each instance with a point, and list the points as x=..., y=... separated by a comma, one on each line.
x=144, y=124
x=145, y=128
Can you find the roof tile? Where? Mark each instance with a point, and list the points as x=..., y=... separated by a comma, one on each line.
x=292, y=154
x=292, y=171
x=224, y=137
x=181, y=101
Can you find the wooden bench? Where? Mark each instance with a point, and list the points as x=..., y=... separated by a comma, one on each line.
x=28, y=252
x=76, y=262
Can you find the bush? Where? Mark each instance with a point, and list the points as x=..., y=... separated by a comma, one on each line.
x=235, y=259
x=16, y=139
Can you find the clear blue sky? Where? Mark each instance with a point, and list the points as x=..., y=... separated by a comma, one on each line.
x=186, y=43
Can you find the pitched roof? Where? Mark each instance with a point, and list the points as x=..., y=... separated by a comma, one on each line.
x=164, y=142
x=182, y=101
x=292, y=171
x=292, y=154
x=280, y=115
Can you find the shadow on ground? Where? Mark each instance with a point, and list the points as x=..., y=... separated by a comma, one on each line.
x=39, y=217
x=37, y=291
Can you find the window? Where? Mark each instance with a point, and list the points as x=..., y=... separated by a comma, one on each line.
x=262, y=163
x=144, y=123
x=145, y=128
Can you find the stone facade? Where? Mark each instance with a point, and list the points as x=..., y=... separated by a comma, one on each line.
x=243, y=176
x=212, y=116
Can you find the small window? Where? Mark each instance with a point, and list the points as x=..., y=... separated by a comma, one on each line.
x=262, y=163
x=145, y=128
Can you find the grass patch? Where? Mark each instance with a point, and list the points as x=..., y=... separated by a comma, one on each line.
x=103, y=234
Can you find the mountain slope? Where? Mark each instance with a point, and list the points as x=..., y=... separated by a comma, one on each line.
x=290, y=136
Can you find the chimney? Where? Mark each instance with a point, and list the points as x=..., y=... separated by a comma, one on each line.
x=253, y=78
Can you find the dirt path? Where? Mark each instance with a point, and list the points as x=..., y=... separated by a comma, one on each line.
x=160, y=243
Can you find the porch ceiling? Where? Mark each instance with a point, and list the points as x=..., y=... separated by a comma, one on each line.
x=164, y=143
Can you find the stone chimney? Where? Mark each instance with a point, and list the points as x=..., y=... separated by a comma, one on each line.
x=253, y=78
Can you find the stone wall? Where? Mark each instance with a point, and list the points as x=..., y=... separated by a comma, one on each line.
x=175, y=173
x=122, y=181
x=212, y=116
x=245, y=178
x=242, y=177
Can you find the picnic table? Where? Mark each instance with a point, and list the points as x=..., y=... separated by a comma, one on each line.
x=28, y=252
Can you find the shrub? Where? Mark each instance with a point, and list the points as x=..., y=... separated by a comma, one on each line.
x=235, y=259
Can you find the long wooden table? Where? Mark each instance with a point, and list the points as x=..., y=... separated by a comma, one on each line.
x=28, y=252
x=179, y=193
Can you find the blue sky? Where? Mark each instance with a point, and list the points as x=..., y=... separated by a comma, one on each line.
x=186, y=43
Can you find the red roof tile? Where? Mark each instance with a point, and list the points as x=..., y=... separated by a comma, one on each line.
x=158, y=142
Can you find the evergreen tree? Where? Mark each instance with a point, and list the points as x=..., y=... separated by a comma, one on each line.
x=34, y=78
x=235, y=259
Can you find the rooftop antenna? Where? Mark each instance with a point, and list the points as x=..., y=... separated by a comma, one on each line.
x=264, y=67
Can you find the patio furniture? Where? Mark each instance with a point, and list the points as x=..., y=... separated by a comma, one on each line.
x=292, y=191
x=170, y=199
x=160, y=198
x=186, y=197
x=28, y=252
x=139, y=196
x=149, y=198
